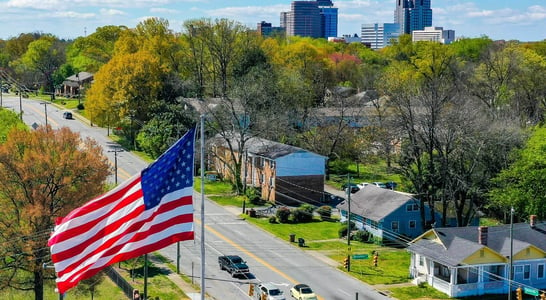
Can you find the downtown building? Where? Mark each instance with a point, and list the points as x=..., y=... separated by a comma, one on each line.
x=379, y=35
x=412, y=15
x=434, y=34
x=316, y=19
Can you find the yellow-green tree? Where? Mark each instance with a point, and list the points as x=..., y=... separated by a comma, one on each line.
x=44, y=174
x=126, y=88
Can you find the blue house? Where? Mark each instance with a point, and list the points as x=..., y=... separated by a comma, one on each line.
x=476, y=260
x=386, y=214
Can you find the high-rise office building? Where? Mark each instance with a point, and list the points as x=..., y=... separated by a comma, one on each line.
x=413, y=15
x=379, y=35
x=328, y=19
x=311, y=19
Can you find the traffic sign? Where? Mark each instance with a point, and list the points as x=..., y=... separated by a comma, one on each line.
x=530, y=291
x=360, y=256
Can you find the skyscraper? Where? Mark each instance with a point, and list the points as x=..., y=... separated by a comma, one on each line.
x=310, y=19
x=379, y=35
x=413, y=15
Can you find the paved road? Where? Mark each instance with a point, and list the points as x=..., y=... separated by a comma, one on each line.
x=270, y=259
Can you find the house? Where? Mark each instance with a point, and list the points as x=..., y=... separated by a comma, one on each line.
x=475, y=260
x=386, y=214
x=74, y=85
x=284, y=174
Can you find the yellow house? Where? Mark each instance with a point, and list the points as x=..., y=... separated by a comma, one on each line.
x=475, y=260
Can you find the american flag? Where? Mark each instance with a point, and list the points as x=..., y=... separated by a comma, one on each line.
x=146, y=213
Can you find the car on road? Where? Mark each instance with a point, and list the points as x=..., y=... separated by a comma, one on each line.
x=67, y=115
x=269, y=291
x=302, y=291
x=362, y=184
x=234, y=264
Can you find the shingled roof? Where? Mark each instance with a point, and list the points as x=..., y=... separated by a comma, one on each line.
x=375, y=203
x=454, y=244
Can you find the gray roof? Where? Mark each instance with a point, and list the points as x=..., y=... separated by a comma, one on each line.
x=265, y=148
x=457, y=243
x=82, y=76
x=375, y=203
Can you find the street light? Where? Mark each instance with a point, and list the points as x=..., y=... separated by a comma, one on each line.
x=116, y=150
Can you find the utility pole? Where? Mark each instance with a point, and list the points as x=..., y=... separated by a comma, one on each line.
x=116, y=150
x=45, y=110
x=349, y=223
x=511, y=253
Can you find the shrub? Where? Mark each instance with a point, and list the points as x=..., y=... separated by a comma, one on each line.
x=361, y=236
x=283, y=213
x=343, y=230
x=253, y=195
x=303, y=214
x=325, y=212
x=80, y=106
x=272, y=219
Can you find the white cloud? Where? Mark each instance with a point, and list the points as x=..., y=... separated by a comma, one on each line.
x=162, y=10
x=74, y=15
x=112, y=12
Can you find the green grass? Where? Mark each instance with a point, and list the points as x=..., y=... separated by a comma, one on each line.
x=410, y=293
x=107, y=290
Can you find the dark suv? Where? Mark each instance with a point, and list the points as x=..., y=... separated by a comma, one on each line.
x=234, y=264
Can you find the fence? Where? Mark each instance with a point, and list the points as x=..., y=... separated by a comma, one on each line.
x=120, y=282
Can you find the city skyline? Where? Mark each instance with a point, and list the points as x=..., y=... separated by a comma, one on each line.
x=497, y=19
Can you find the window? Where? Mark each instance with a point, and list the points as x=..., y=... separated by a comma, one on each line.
x=540, y=271
x=412, y=207
x=394, y=226
x=412, y=224
x=526, y=271
x=421, y=260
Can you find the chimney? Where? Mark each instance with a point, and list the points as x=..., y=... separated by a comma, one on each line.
x=533, y=221
x=482, y=235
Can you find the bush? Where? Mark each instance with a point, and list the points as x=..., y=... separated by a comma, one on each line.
x=80, y=106
x=361, y=236
x=325, y=212
x=303, y=214
x=283, y=214
x=342, y=232
x=273, y=220
x=253, y=195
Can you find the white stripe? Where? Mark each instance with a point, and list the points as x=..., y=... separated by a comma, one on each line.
x=99, y=262
x=67, y=244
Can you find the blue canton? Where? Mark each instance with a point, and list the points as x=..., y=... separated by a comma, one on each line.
x=172, y=171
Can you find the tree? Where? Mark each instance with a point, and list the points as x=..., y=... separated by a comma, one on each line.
x=521, y=184
x=44, y=55
x=90, y=52
x=44, y=174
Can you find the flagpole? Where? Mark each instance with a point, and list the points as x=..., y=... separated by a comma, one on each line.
x=203, y=207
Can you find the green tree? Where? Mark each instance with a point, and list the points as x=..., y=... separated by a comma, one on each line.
x=44, y=55
x=44, y=174
x=521, y=185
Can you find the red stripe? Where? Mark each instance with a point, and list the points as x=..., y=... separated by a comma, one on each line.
x=69, y=254
x=95, y=206
x=63, y=286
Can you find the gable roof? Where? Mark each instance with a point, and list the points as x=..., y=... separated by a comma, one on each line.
x=265, y=148
x=454, y=244
x=81, y=76
x=376, y=203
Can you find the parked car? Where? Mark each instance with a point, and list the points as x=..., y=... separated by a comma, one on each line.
x=302, y=291
x=269, y=291
x=362, y=184
x=353, y=188
x=391, y=185
x=234, y=264
x=380, y=184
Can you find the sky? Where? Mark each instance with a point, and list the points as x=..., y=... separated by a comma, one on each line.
x=523, y=20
